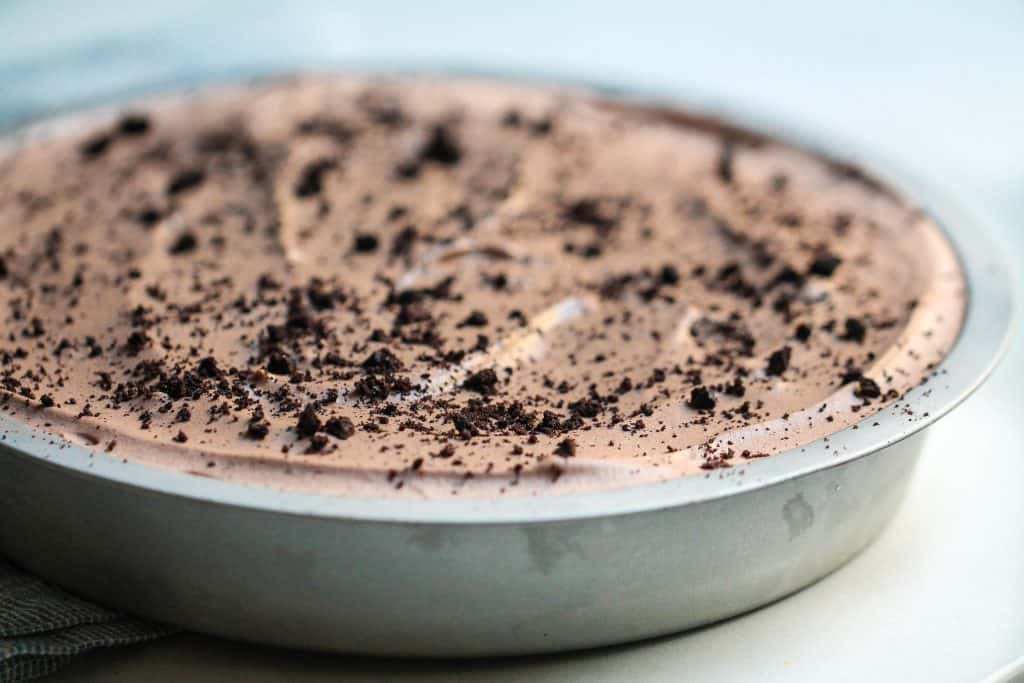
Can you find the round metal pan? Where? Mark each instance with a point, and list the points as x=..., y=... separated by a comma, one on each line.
x=440, y=578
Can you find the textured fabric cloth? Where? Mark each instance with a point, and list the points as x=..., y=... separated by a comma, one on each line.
x=42, y=628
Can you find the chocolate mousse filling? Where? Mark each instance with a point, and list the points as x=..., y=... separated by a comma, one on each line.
x=444, y=287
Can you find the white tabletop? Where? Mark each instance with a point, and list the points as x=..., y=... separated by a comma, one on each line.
x=940, y=596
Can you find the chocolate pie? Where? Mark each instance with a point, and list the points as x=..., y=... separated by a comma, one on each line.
x=441, y=287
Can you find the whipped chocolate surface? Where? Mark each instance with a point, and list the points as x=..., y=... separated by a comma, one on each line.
x=434, y=287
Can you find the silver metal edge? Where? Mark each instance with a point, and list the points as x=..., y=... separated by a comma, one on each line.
x=1011, y=673
x=983, y=341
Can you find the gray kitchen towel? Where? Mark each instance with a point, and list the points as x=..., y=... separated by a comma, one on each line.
x=42, y=628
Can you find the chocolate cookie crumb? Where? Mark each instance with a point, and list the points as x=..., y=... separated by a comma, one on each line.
x=136, y=342
x=365, y=243
x=669, y=275
x=185, y=181
x=401, y=246
x=566, y=448
x=512, y=119
x=446, y=452
x=208, y=367
x=854, y=331
x=311, y=180
x=185, y=243
x=133, y=124
x=778, y=361
x=280, y=364
x=724, y=169
x=483, y=382
x=701, y=399
x=257, y=430
x=340, y=427
x=309, y=422
x=474, y=319
x=824, y=264
x=867, y=388
x=317, y=443
x=382, y=361
x=95, y=147
x=441, y=147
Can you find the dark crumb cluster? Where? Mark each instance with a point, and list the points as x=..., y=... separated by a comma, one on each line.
x=206, y=285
